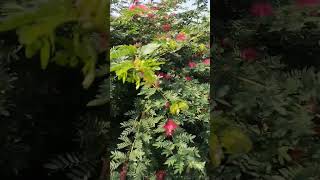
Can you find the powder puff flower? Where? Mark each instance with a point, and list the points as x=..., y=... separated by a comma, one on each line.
x=181, y=37
x=188, y=78
x=192, y=64
x=206, y=61
x=170, y=127
x=249, y=54
x=166, y=27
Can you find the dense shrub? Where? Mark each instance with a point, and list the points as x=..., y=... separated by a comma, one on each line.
x=166, y=55
x=266, y=83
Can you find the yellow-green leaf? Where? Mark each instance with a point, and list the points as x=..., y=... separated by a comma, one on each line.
x=215, y=152
x=235, y=141
x=31, y=49
x=89, y=77
x=45, y=54
x=178, y=106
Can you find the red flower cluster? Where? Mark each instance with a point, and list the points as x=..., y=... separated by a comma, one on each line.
x=169, y=127
x=261, y=9
x=206, y=61
x=249, y=54
x=166, y=27
x=123, y=172
x=188, y=78
x=192, y=64
x=160, y=175
x=141, y=6
x=181, y=37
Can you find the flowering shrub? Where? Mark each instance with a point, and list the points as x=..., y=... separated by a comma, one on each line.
x=265, y=94
x=168, y=61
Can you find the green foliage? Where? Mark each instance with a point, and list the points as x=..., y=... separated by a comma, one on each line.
x=78, y=167
x=38, y=28
x=274, y=105
x=142, y=51
x=67, y=33
x=104, y=94
x=93, y=133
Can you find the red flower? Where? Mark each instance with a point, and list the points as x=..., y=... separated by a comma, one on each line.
x=166, y=27
x=181, y=37
x=261, y=9
x=160, y=74
x=155, y=8
x=141, y=7
x=192, y=64
x=206, y=61
x=188, y=78
x=167, y=76
x=307, y=2
x=167, y=105
x=123, y=175
x=161, y=175
x=163, y=75
x=150, y=15
x=169, y=127
x=249, y=54
x=131, y=7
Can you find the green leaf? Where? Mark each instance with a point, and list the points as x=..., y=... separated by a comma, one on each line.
x=149, y=48
x=61, y=58
x=32, y=48
x=122, y=51
x=45, y=54
x=88, y=80
x=90, y=71
x=12, y=22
